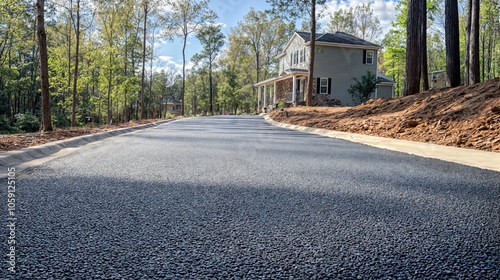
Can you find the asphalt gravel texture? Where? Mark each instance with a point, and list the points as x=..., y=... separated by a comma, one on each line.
x=233, y=197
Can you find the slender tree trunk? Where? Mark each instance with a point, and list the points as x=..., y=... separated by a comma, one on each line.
x=310, y=74
x=483, y=57
x=491, y=47
x=150, y=106
x=63, y=97
x=467, y=44
x=75, y=80
x=211, y=90
x=474, y=74
x=143, y=60
x=125, y=71
x=109, y=85
x=183, y=72
x=423, y=45
x=412, y=73
x=452, y=44
x=44, y=67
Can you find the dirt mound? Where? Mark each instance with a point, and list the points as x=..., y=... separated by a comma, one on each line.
x=465, y=116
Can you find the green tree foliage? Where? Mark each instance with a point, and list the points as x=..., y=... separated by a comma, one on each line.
x=187, y=17
x=229, y=90
x=358, y=21
x=363, y=88
x=394, y=63
x=27, y=122
x=212, y=40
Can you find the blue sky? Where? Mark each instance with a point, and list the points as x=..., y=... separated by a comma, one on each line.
x=230, y=12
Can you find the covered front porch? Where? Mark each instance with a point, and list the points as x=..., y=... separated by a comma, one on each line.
x=288, y=87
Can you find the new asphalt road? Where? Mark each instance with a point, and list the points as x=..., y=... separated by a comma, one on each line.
x=235, y=198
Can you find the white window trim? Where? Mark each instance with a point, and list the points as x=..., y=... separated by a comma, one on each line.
x=301, y=56
x=320, y=86
x=372, y=53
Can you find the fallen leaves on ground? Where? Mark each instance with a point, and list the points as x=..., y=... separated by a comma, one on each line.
x=10, y=142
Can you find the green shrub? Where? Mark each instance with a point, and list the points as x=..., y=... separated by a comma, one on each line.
x=27, y=122
x=362, y=89
x=5, y=127
x=169, y=116
x=59, y=120
x=282, y=103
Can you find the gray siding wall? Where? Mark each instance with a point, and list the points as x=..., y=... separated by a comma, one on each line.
x=342, y=64
x=297, y=44
x=384, y=91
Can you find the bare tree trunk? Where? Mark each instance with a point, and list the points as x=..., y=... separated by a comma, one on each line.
x=44, y=66
x=474, y=74
x=183, y=73
x=69, y=62
x=452, y=44
x=412, y=71
x=143, y=60
x=211, y=90
x=109, y=86
x=483, y=56
x=423, y=45
x=310, y=74
x=467, y=44
x=125, y=70
x=75, y=79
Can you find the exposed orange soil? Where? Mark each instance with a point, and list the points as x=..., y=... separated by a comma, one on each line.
x=465, y=116
x=10, y=142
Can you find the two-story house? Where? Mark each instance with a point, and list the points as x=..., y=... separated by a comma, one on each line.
x=338, y=59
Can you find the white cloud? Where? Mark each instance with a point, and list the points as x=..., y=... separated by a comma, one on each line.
x=385, y=10
x=166, y=62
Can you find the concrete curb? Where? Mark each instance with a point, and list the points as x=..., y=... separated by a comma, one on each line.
x=475, y=158
x=13, y=158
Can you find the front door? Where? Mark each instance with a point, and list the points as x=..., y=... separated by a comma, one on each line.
x=300, y=90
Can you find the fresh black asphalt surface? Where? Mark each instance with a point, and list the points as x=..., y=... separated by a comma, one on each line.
x=232, y=197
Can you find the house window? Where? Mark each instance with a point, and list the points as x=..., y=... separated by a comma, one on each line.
x=291, y=59
x=323, y=86
x=301, y=55
x=369, y=57
x=295, y=58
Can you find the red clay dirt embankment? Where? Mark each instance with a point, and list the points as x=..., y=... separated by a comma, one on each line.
x=465, y=116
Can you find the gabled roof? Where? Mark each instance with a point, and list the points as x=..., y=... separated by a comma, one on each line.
x=307, y=35
x=337, y=38
x=170, y=100
x=385, y=79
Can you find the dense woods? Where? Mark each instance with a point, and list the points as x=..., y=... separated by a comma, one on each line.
x=100, y=54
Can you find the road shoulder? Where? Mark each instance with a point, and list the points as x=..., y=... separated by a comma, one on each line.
x=36, y=155
x=475, y=158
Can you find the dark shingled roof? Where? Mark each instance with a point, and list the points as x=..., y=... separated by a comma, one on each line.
x=170, y=100
x=385, y=79
x=337, y=38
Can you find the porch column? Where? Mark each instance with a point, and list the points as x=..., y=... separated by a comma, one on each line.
x=259, y=93
x=294, y=89
x=274, y=99
x=265, y=95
